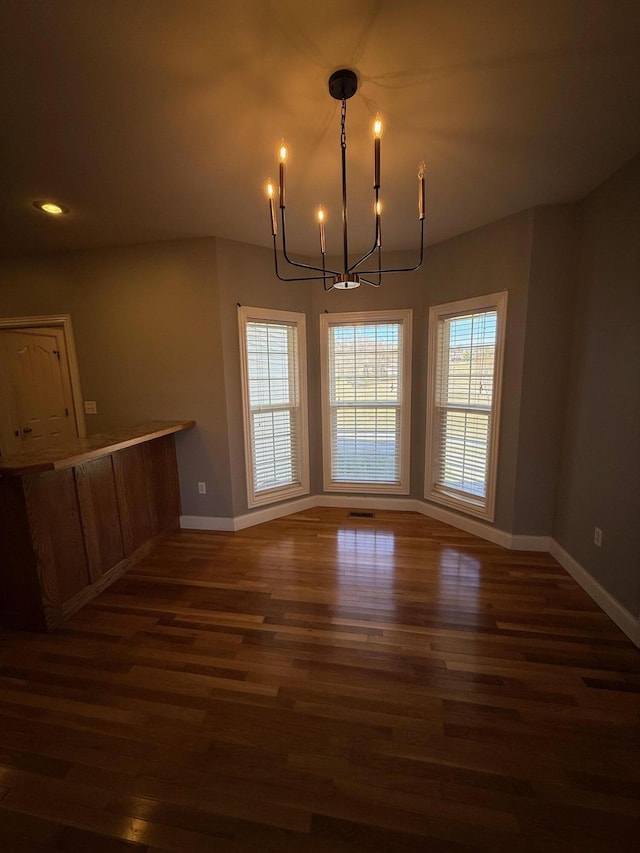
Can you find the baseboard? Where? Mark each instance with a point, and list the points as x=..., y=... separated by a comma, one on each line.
x=625, y=620
x=363, y=502
x=469, y=525
x=249, y=519
x=524, y=542
x=514, y=542
x=206, y=522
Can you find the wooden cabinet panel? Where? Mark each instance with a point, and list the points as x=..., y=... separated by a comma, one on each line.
x=67, y=533
x=20, y=600
x=54, y=518
x=100, y=516
x=146, y=479
x=131, y=468
x=163, y=480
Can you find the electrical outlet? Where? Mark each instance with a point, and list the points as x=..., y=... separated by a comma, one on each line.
x=202, y=488
x=90, y=407
x=597, y=537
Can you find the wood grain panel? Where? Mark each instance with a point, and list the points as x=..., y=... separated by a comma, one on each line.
x=131, y=467
x=68, y=533
x=54, y=518
x=99, y=515
x=325, y=684
x=164, y=490
x=20, y=602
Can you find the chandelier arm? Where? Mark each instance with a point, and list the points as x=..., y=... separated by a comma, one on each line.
x=379, y=282
x=322, y=269
x=376, y=240
x=364, y=258
x=323, y=277
x=403, y=269
x=379, y=274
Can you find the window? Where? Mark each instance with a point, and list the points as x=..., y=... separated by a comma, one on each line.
x=273, y=363
x=466, y=343
x=366, y=381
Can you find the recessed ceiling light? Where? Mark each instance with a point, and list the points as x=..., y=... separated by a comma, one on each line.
x=51, y=207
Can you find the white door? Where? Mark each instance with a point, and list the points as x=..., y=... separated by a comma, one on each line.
x=36, y=402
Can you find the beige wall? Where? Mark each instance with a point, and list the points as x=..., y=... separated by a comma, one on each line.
x=146, y=323
x=600, y=470
x=547, y=350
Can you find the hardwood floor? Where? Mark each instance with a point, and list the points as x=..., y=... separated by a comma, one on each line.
x=325, y=684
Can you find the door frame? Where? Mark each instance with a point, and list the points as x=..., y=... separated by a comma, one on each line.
x=63, y=322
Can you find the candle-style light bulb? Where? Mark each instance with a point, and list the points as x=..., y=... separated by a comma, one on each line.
x=272, y=207
x=421, y=189
x=377, y=133
x=320, y=216
x=283, y=153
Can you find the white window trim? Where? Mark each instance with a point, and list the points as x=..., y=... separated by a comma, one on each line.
x=492, y=301
x=326, y=320
x=247, y=314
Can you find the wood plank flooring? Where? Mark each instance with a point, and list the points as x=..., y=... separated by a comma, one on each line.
x=325, y=684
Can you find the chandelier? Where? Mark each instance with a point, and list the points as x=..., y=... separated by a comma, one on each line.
x=343, y=84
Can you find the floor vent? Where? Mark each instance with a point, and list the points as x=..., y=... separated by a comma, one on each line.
x=360, y=515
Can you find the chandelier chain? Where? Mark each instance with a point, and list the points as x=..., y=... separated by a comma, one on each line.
x=343, y=124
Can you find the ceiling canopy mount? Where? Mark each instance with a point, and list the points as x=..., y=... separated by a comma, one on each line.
x=343, y=84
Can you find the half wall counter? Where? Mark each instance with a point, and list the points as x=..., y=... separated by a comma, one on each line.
x=76, y=517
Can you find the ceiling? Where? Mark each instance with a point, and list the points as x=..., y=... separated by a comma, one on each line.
x=160, y=119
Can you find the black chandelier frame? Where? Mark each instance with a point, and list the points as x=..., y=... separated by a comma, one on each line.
x=343, y=84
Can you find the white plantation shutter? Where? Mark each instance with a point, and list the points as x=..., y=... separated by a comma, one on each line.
x=464, y=395
x=273, y=399
x=466, y=361
x=366, y=401
x=275, y=413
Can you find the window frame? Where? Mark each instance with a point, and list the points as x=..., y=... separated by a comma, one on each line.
x=405, y=317
x=247, y=314
x=481, y=508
